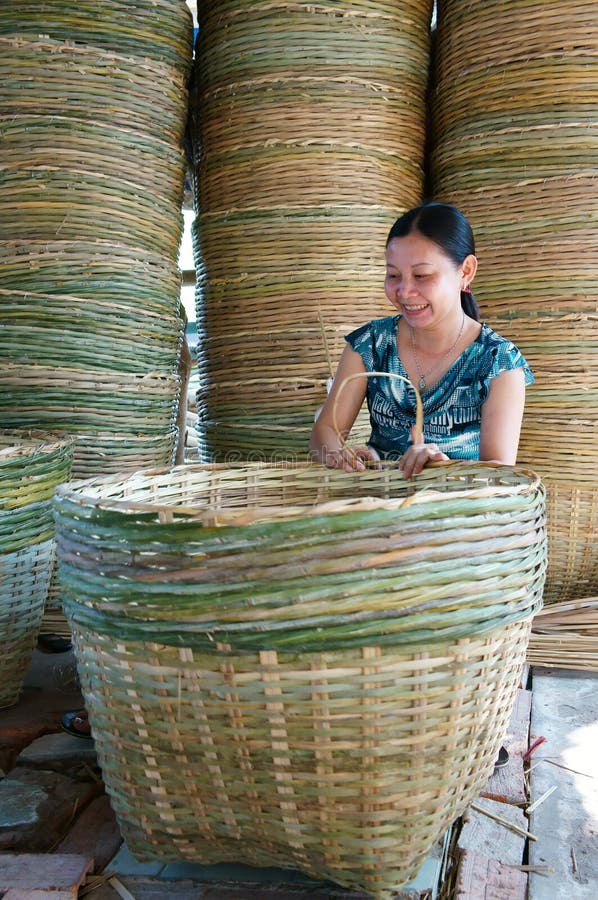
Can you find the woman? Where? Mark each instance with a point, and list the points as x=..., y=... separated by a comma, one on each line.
x=471, y=380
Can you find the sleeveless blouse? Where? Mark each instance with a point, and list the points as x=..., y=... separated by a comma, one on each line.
x=452, y=407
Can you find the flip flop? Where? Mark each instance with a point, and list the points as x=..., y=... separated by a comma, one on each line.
x=502, y=759
x=69, y=724
x=53, y=643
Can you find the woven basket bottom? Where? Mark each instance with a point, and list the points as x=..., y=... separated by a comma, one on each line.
x=347, y=765
x=24, y=581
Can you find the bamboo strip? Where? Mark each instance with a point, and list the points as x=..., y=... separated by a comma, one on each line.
x=565, y=635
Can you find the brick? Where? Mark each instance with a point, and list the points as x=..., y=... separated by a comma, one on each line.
x=60, y=753
x=480, y=878
x=95, y=834
x=30, y=875
x=55, y=801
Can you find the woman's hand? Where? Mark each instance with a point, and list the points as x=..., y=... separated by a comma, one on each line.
x=353, y=459
x=417, y=457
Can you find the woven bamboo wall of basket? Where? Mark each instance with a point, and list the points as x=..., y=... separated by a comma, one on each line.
x=308, y=133
x=92, y=116
x=30, y=470
x=316, y=667
x=516, y=147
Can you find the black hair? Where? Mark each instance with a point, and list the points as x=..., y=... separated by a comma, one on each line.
x=449, y=229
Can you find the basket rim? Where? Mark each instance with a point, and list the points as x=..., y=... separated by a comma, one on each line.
x=514, y=480
x=26, y=443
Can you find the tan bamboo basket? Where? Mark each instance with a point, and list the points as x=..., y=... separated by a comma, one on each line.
x=30, y=469
x=515, y=146
x=288, y=665
x=308, y=133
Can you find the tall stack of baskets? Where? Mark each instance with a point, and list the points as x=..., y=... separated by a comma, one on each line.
x=30, y=470
x=516, y=147
x=286, y=665
x=92, y=113
x=309, y=139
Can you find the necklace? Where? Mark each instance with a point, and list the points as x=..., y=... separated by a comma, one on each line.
x=423, y=375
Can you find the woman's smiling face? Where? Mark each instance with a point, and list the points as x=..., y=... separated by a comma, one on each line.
x=422, y=282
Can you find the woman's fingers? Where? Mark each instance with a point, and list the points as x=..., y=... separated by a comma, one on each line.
x=418, y=456
x=367, y=454
x=358, y=458
x=352, y=459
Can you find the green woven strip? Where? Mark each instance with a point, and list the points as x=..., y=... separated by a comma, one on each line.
x=455, y=551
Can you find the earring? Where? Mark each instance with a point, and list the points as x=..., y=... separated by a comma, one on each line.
x=466, y=289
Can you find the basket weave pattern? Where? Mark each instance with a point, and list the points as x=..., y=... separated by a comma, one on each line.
x=346, y=766
x=300, y=667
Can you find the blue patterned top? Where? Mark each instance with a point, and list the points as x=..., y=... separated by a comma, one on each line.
x=452, y=407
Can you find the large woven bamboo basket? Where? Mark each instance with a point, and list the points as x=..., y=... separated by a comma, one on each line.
x=287, y=665
x=516, y=147
x=30, y=469
x=308, y=133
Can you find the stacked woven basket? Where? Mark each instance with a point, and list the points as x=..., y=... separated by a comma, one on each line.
x=92, y=114
x=30, y=470
x=516, y=147
x=308, y=139
x=287, y=665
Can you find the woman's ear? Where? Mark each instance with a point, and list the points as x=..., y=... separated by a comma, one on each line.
x=470, y=267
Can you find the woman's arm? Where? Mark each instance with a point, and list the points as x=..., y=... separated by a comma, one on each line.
x=502, y=414
x=327, y=444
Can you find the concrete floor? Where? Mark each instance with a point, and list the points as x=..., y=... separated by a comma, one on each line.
x=565, y=712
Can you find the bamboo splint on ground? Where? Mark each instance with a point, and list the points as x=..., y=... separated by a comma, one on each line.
x=565, y=635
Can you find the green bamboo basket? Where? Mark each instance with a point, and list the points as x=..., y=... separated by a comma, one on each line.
x=515, y=145
x=113, y=26
x=87, y=333
x=288, y=665
x=90, y=173
x=99, y=271
x=131, y=402
x=308, y=134
x=30, y=469
x=120, y=420
x=93, y=113
x=31, y=466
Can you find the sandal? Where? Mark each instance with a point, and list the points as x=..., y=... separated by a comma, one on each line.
x=53, y=643
x=77, y=723
x=502, y=759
